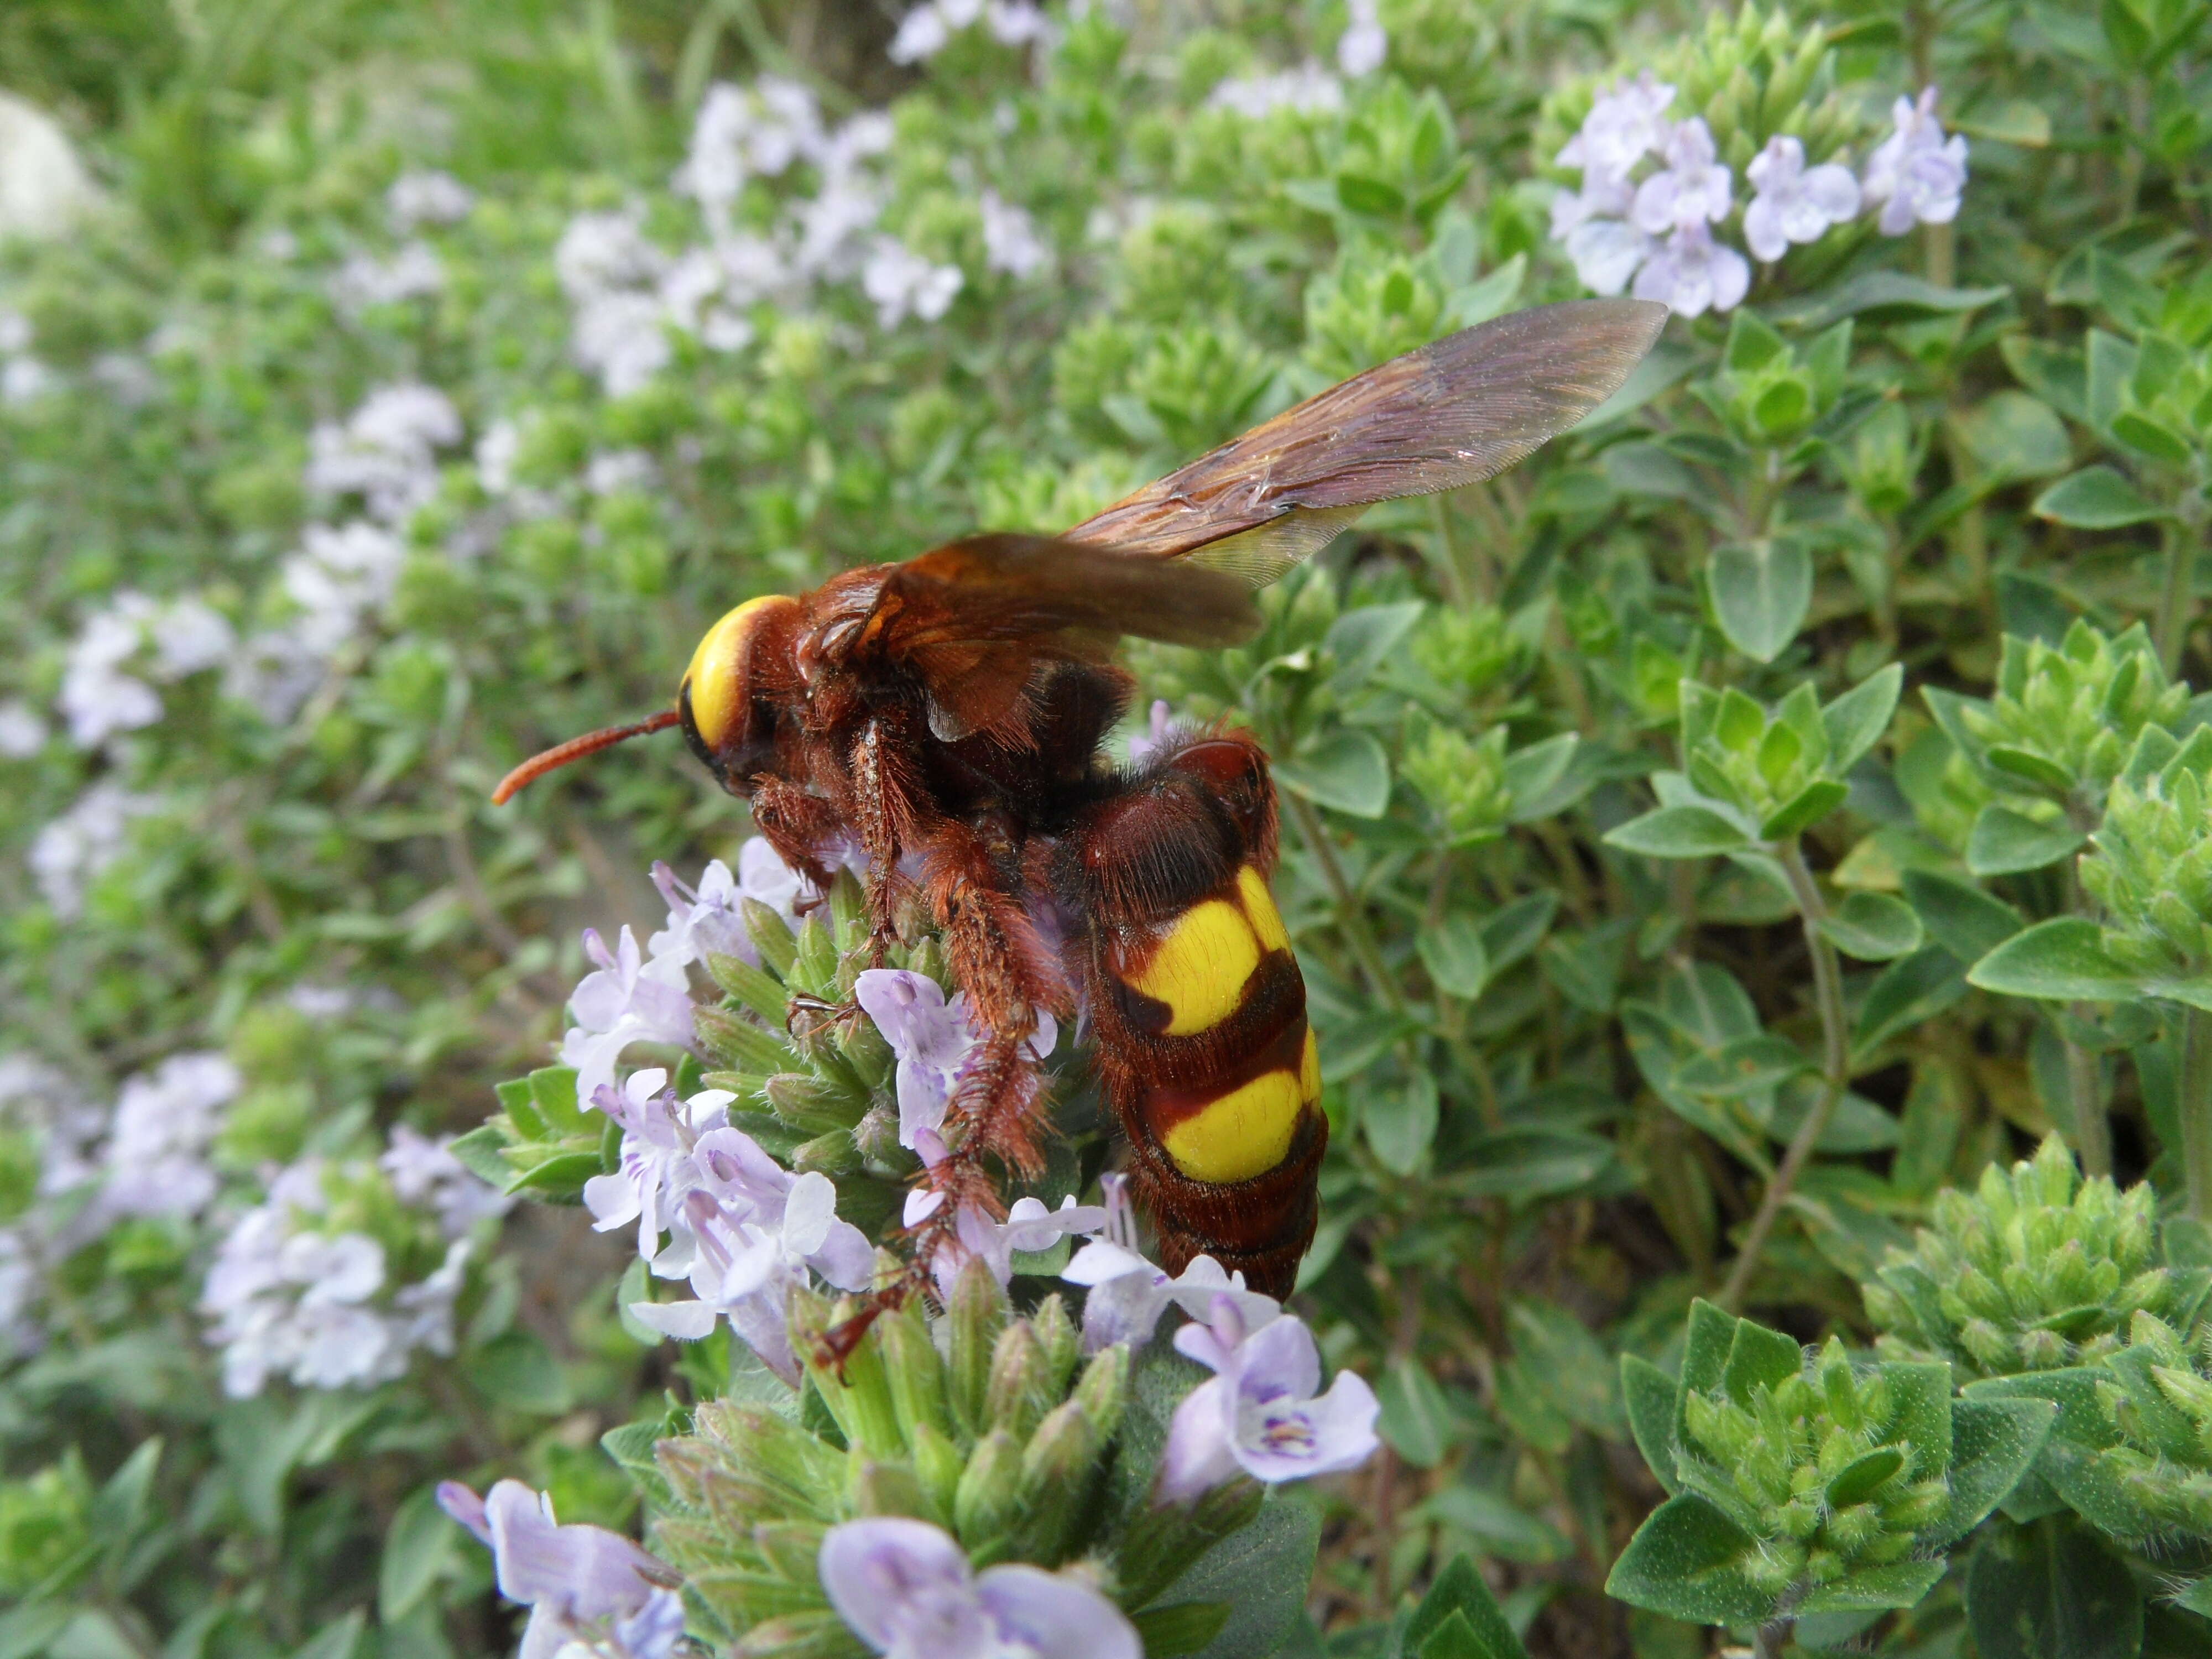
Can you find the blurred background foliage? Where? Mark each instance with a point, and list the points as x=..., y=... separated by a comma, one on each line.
x=1562, y=1073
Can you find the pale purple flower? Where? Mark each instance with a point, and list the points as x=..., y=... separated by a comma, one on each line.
x=1916, y=173
x=743, y=132
x=710, y=919
x=628, y=1000
x=923, y=34
x=932, y=1039
x=1791, y=202
x=1029, y=1225
x=424, y=1173
x=1623, y=125
x=426, y=197
x=414, y=272
x=903, y=284
x=1693, y=188
x=1128, y=1294
x=386, y=451
x=906, y=1589
x=1016, y=23
x=1691, y=274
x=72, y=851
x=22, y=733
x=583, y=1585
x=1159, y=728
x=1362, y=47
x=1261, y=1411
x=1011, y=241
x=1309, y=89
x=97, y=698
x=757, y=1231
x=656, y=1171
x=165, y=1121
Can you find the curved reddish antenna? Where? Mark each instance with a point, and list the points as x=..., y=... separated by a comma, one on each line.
x=575, y=748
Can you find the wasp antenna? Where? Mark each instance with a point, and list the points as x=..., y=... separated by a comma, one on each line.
x=575, y=748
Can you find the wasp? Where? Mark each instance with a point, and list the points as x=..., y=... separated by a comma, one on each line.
x=947, y=714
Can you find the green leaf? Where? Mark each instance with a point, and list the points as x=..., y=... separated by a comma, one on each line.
x=2007, y=121
x=1416, y=1418
x=1900, y=1584
x=1500, y=1526
x=1677, y=832
x=1883, y=297
x=1530, y=774
x=1400, y=1123
x=1360, y=641
x=518, y=1371
x=1460, y=1596
x=1743, y=1065
x=1857, y=1479
x=1965, y=920
x=1757, y=1355
x=1911, y=989
x=418, y=1546
x=1345, y=770
x=26, y=1630
x=1528, y=1164
x=335, y=1640
x=2004, y=842
x=1686, y=1560
x=1993, y=1443
x=2050, y=1591
x=1873, y=927
x=1760, y=591
x=1186, y=1627
x=2014, y=436
x=1512, y=930
x=119, y=1509
x=2061, y=960
x=1650, y=1394
x=1856, y=720
x=2096, y=498
x=2147, y=436
x=1549, y=1342
x=481, y=1153
x=1453, y=953
x=1262, y=1572
x=1804, y=809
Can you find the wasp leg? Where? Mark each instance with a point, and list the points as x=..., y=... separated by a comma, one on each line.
x=883, y=799
x=797, y=825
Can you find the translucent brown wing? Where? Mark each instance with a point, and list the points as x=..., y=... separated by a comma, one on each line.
x=1458, y=410
x=974, y=619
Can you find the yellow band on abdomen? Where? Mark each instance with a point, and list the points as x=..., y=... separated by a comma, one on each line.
x=1200, y=969
x=1244, y=1134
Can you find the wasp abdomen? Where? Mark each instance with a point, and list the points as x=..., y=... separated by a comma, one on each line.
x=1201, y=1011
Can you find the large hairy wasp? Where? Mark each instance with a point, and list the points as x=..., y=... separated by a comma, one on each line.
x=947, y=712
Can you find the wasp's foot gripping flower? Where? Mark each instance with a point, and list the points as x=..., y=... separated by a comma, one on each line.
x=2035, y=1270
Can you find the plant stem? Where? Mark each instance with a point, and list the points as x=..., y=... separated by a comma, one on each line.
x=1350, y=918
x=2177, y=606
x=2196, y=1111
x=2092, y=1134
x=1836, y=1064
x=1769, y=1640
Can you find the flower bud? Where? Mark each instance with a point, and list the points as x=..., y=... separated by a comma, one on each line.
x=734, y=1042
x=771, y=936
x=1017, y=1394
x=858, y=1388
x=937, y=1466
x=978, y=1314
x=916, y=1371
x=1060, y=1342
x=985, y=1503
x=886, y=1488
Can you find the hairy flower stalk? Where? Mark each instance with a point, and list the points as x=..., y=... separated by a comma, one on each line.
x=2157, y=1394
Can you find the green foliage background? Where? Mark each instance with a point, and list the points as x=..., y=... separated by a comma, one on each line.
x=1562, y=1070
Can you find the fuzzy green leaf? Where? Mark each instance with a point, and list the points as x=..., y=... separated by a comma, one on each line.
x=1760, y=591
x=1686, y=1561
x=2061, y=960
x=2096, y=498
x=2050, y=1591
x=1345, y=770
x=1677, y=832
x=1873, y=927
x=2004, y=842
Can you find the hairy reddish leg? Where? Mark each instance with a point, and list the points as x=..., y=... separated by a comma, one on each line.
x=798, y=824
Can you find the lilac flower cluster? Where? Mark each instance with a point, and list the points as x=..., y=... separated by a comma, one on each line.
x=929, y=28
x=295, y=1294
x=1658, y=229
x=129, y=641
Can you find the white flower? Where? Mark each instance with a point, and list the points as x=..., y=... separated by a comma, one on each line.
x=22, y=733
x=1010, y=242
x=386, y=451
x=598, y=252
x=903, y=283
x=44, y=188
x=710, y=920
x=627, y=1000
x=1309, y=89
x=922, y=34
x=1029, y=1226
x=76, y=848
x=415, y=273
x=1606, y=253
x=613, y=469
x=1623, y=125
x=1016, y=23
x=23, y=379
x=1917, y=174
x=591, y=1595
x=1362, y=47
x=1691, y=274
x=1792, y=202
x=748, y=131
x=1693, y=188
x=426, y=197
x=98, y=698
x=154, y=1159
x=622, y=337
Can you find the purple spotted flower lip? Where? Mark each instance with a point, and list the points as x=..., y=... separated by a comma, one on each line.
x=906, y=1589
x=583, y=1585
x=1260, y=1414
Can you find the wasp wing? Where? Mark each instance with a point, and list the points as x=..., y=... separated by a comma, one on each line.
x=1459, y=410
x=973, y=620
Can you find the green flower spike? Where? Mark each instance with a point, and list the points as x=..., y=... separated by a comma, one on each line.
x=1807, y=1486
x=2036, y=1270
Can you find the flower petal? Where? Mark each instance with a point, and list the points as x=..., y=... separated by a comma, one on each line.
x=873, y=1569
x=1056, y=1615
